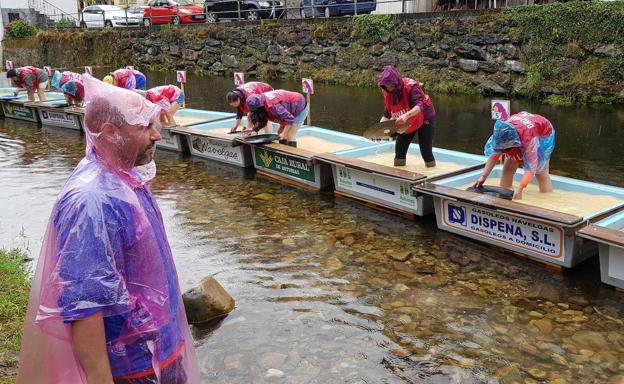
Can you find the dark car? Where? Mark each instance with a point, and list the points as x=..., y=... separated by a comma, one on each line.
x=329, y=8
x=243, y=9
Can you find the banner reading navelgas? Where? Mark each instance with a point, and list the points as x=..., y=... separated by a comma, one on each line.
x=517, y=232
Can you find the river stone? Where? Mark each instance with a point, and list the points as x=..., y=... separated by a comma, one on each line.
x=578, y=300
x=558, y=380
x=544, y=325
x=399, y=255
x=273, y=373
x=174, y=50
x=191, y=55
x=590, y=339
x=232, y=361
x=537, y=373
x=229, y=61
x=469, y=65
x=264, y=196
x=207, y=301
x=491, y=86
x=213, y=42
x=272, y=359
x=217, y=67
x=469, y=51
x=435, y=281
x=528, y=348
x=514, y=66
x=619, y=379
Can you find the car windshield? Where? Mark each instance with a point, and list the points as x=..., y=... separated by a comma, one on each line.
x=182, y=2
x=135, y=10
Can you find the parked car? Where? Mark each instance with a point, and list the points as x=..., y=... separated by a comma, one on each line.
x=173, y=12
x=138, y=12
x=330, y=8
x=98, y=16
x=249, y=9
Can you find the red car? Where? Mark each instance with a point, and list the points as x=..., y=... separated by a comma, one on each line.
x=173, y=12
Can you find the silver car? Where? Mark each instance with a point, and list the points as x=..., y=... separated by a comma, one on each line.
x=99, y=16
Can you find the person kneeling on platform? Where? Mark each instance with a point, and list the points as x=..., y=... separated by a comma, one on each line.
x=526, y=140
x=288, y=109
x=238, y=97
x=74, y=93
x=29, y=79
x=70, y=83
x=169, y=98
x=126, y=78
x=406, y=102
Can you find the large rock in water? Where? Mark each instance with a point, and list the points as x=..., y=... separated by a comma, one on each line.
x=207, y=301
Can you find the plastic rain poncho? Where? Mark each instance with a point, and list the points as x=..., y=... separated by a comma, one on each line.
x=106, y=250
x=526, y=137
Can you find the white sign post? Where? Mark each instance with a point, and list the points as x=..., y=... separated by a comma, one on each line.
x=239, y=79
x=88, y=71
x=181, y=76
x=307, y=86
x=501, y=109
x=8, y=64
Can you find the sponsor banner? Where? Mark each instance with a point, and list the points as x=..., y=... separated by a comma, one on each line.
x=169, y=141
x=516, y=232
x=88, y=71
x=307, y=86
x=239, y=79
x=181, y=76
x=501, y=109
x=18, y=111
x=377, y=187
x=58, y=119
x=286, y=165
x=217, y=150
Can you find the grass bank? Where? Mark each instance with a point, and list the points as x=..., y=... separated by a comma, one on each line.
x=15, y=287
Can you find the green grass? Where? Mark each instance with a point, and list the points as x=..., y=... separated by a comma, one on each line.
x=15, y=287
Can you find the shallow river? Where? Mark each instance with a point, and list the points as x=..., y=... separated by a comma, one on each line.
x=329, y=291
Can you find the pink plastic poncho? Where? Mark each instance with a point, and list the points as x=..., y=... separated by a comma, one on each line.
x=106, y=250
x=164, y=96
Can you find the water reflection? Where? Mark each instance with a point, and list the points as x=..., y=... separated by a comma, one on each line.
x=331, y=292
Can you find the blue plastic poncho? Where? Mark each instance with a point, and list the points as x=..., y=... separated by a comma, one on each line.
x=526, y=137
x=106, y=250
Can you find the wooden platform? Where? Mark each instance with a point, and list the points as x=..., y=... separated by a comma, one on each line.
x=288, y=181
x=377, y=206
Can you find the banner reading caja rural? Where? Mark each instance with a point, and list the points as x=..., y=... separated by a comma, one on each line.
x=284, y=164
x=517, y=232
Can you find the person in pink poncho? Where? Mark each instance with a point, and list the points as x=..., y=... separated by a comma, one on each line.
x=105, y=305
x=170, y=98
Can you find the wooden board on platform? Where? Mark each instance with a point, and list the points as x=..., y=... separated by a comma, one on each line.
x=367, y=166
x=377, y=206
x=602, y=235
x=498, y=203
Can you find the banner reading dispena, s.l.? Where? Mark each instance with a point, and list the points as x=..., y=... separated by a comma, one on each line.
x=504, y=229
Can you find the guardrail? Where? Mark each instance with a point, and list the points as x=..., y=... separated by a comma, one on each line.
x=274, y=9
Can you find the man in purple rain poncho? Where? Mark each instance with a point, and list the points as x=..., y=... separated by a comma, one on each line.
x=105, y=305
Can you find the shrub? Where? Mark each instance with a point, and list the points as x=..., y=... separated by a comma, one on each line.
x=64, y=23
x=20, y=29
x=372, y=27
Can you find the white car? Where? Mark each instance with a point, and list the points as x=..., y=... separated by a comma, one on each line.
x=98, y=16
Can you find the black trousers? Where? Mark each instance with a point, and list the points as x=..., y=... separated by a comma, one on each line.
x=425, y=142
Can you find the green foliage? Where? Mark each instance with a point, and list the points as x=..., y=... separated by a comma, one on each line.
x=15, y=288
x=453, y=87
x=64, y=23
x=589, y=23
x=20, y=29
x=559, y=100
x=372, y=27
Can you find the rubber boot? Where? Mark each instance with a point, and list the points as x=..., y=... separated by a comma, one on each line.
x=399, y=162
x=283, y=141
x=430, y=164
x=292, y=144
